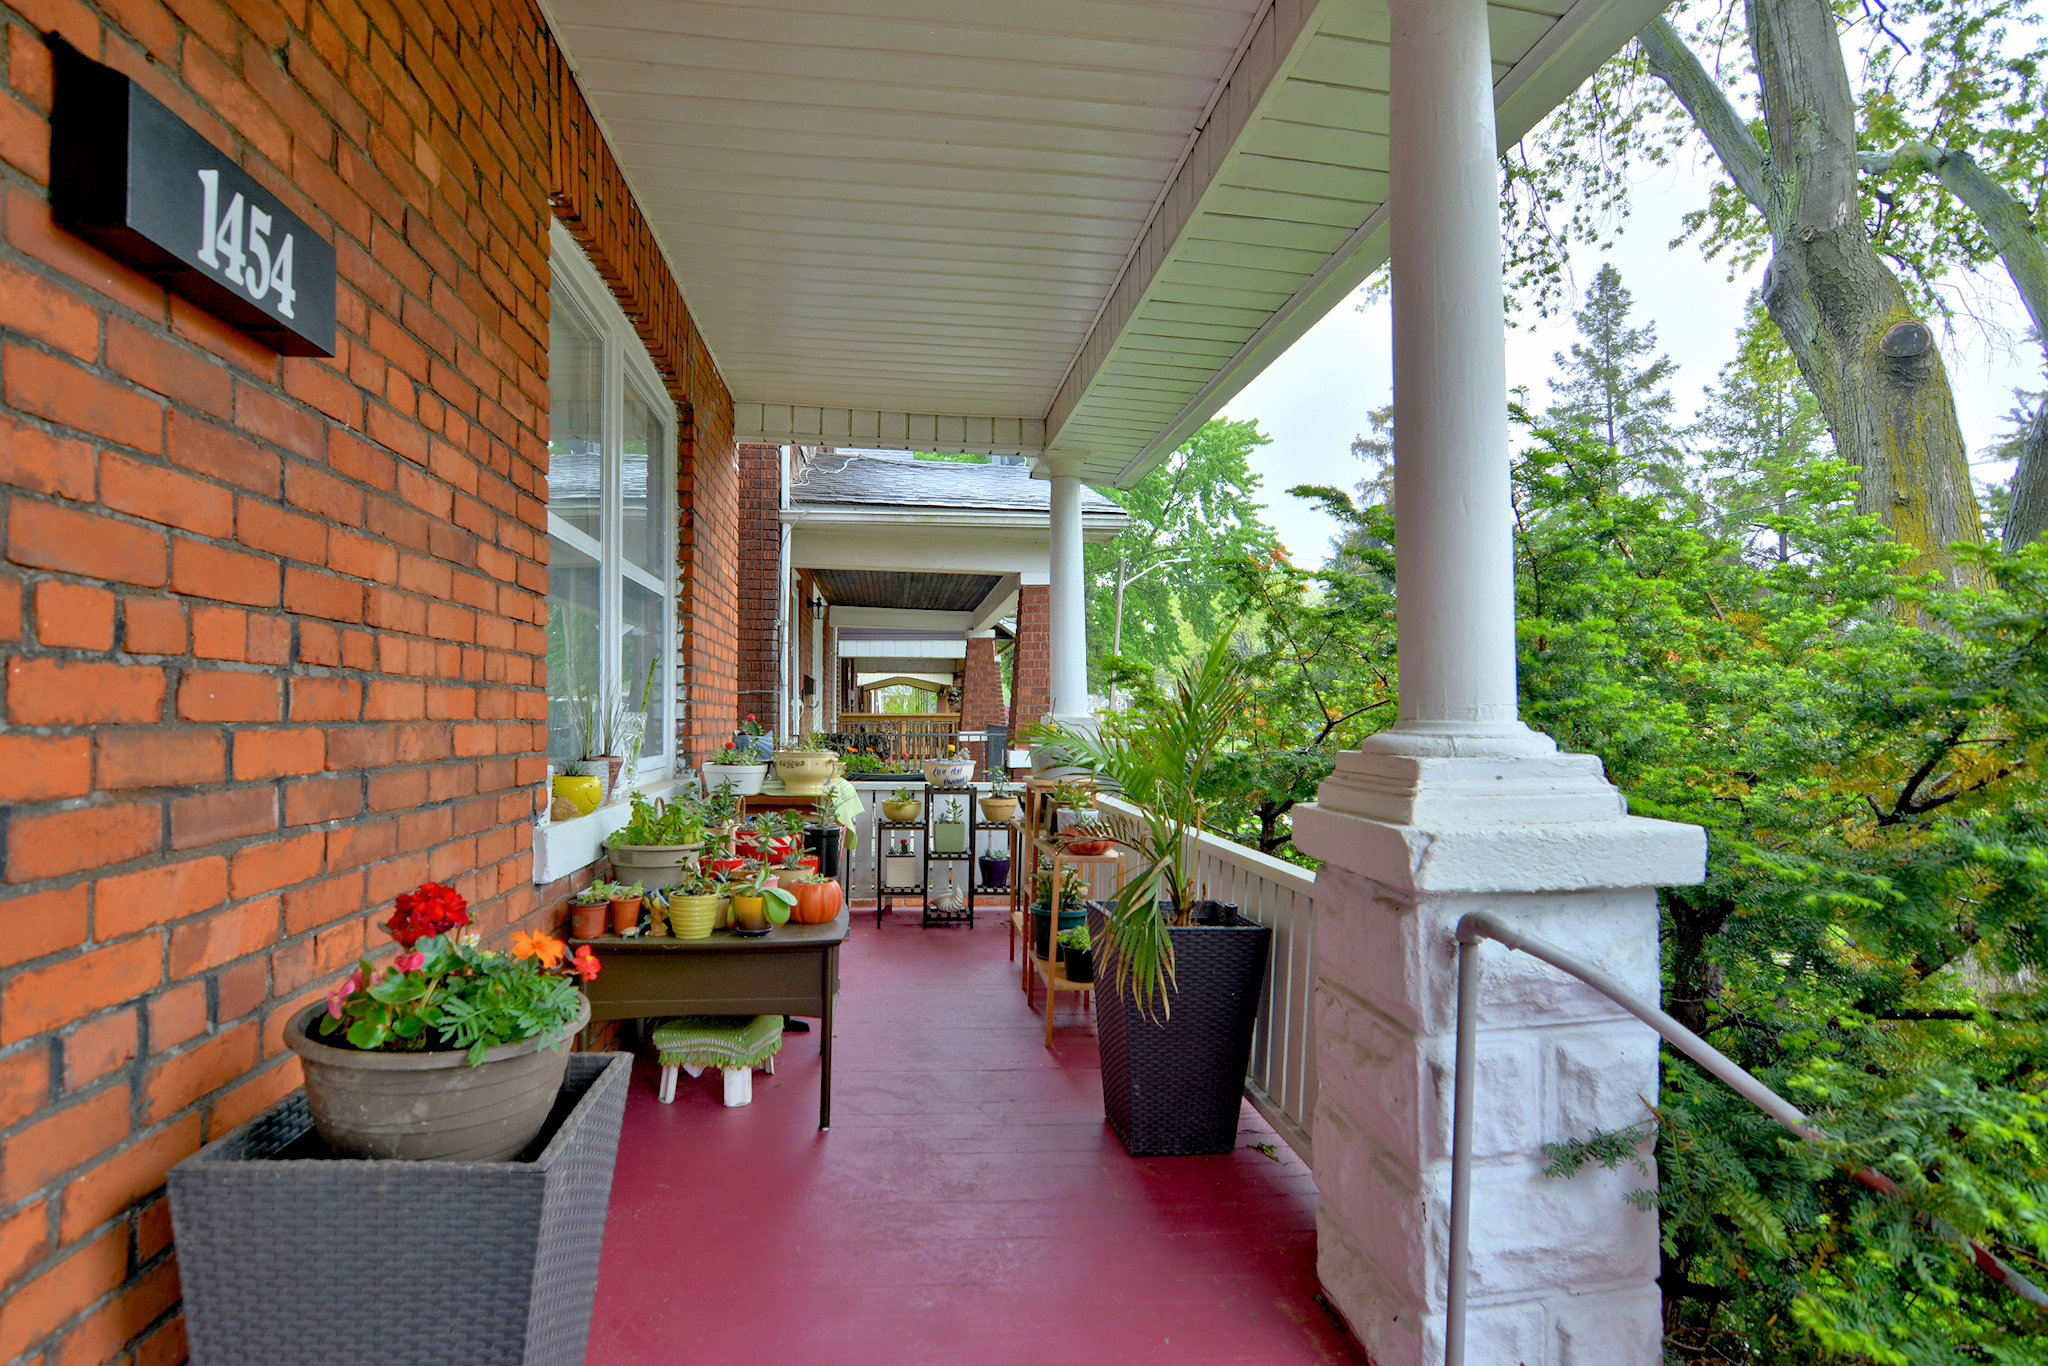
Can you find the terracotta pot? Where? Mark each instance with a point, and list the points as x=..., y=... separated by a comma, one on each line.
x=625, y=913
x=817, y=903
x=430, y=1107
x=1088, y=848
x=749, y=913
x=588, y=922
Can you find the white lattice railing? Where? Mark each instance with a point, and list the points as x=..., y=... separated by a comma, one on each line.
x=1281, y=1079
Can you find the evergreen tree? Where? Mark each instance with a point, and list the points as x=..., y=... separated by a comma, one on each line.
x=1759, y=427
x=1613, y=383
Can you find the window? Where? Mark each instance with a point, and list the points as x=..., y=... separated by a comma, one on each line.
x=611, y=488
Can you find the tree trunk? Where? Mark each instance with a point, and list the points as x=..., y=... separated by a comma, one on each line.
x=1872, y=365
x=2028, y=517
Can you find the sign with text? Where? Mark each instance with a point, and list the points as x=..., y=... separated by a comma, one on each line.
x=142, y=185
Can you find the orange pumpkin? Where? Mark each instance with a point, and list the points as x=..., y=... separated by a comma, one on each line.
x=817, y=903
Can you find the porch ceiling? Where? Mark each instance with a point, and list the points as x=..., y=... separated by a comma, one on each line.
x=918, y=592
x=978, y=225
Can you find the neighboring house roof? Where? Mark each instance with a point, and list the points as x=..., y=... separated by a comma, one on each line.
x=888, y=479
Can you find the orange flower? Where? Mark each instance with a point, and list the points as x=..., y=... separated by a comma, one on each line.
x=549, y=950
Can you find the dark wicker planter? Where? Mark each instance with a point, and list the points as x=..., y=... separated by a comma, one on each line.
x=272, y=1229
x=1172, y=1089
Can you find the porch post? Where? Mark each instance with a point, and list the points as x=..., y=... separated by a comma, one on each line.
x=1461, y=806
x=1069, y=601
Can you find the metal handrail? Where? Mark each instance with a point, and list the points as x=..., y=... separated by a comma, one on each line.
x=1482, y=925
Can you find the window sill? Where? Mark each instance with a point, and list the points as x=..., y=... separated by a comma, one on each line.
x=564, y=847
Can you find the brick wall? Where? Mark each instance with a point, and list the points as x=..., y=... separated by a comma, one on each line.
x=1031, y=677
x=759, y=578
x=981, y=688
x=273, y=629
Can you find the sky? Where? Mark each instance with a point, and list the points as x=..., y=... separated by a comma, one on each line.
x=1315, y=398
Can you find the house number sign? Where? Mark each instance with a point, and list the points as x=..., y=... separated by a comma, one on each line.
x=142, y=185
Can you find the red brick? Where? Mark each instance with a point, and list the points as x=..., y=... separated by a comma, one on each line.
x=322, y=595
x=266, y=867
x=97, y=1047
x=39, y=924
x=74, y=616
x=152, y=626
x=214, y=817
x=33, y=459
x=49, y=536
x=270, y=639
x=209, y=571
x=158, y=493
x=215, y=695
x=102, y=1334
x=263, y=754
x=177, y=1015
x=60, y=1141
x=326, y=699
x=24, y=1085
x=170, y=369
x=59, y=1293
x=24, y=1241
x=10, y=608
x=275, y=531
x=136, y=901
x=240, y=988
x=53, y=692
x=205, y=943
x=64, y=393
x=206, y=449
x=160, y=756
x=38, y=307
x=322, y=903
x=31, y=229
x=181, y=1080
x=220, y=633
x=314, y=803
x=72, y=841
x=44, y=768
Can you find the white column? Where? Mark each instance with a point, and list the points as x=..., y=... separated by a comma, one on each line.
x=1069, y=604
x=1460, y=807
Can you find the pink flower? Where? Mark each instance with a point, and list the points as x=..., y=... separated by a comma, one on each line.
x=339, y=996
x=410, y=962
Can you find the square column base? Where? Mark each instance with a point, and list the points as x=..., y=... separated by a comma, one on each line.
x=1563, y=1271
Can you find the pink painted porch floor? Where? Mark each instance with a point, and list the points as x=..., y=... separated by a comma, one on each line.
x=969, y=1205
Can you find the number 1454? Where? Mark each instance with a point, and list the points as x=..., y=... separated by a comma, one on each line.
x=244, y=260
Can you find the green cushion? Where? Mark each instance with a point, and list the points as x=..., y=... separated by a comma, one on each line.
x=719, y=1040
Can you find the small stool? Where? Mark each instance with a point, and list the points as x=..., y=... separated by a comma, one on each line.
x=736, y=1044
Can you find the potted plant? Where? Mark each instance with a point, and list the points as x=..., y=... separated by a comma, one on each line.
x=584, y=792
x=1071, y=797
x=954, y=770
x=903, y=806
x=625, y=907
x=741, y=768
x=695, y=906
x=752, y=738
x=1175, y=1016
x=949, y=831
x=1075, y=959
x=599, y=722
x=451, y=1052
x=660, y=841
x=1088, y=837
x=999, y=807
x=758, y=903
x=785, y=837
x=1073, y=904
x=721, y=807
x=818, y=899
x=806, y=767
x=900, y=865
x=995, y=868
x=590, y=911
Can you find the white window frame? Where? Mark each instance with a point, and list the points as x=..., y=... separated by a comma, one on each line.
x=625, y=367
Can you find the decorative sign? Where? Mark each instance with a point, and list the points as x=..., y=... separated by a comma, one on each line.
x=142, y=185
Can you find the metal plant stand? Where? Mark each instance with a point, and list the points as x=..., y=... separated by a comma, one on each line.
x=885, y=891
x=932, y=806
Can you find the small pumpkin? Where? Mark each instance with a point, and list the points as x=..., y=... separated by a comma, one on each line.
x=818, y=903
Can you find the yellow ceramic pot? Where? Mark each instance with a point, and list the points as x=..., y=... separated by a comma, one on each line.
x=694, y=917
x=586, y=793
x=805, y=772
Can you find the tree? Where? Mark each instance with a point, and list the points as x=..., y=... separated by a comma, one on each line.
x=1847, y=188
x=1156, y=587
x=1612, y=379
x=1759, y=427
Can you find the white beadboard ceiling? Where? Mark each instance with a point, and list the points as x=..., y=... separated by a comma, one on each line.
x=1020, y=225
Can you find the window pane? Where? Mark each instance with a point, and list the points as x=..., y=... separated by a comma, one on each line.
x=646, y=503
x=641, y=655
x=573, y=645
x=575, y=417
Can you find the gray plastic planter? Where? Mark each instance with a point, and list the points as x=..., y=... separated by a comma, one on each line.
x=287, y=1252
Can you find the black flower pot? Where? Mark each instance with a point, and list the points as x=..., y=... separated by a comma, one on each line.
x=1171, y=1086
x=995, y=872
x=1078, y=963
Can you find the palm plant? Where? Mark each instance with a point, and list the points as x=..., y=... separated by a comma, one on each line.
x=1156, y=757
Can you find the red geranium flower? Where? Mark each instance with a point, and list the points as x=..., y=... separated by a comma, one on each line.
x=585, y=964
x=431, y=910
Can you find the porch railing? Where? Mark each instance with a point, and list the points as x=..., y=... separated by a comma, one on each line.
x=908, y=738
x=1281, y=1079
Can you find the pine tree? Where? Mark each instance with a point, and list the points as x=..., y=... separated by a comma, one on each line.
x=1613, y=384
x=1760, y=424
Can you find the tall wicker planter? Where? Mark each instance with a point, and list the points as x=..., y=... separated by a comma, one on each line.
x=1172, y=1088
x=271, y=1229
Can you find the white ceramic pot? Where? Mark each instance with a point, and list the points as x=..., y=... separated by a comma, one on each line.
x=901, y=870
x=948, y=772
x=746, y=779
